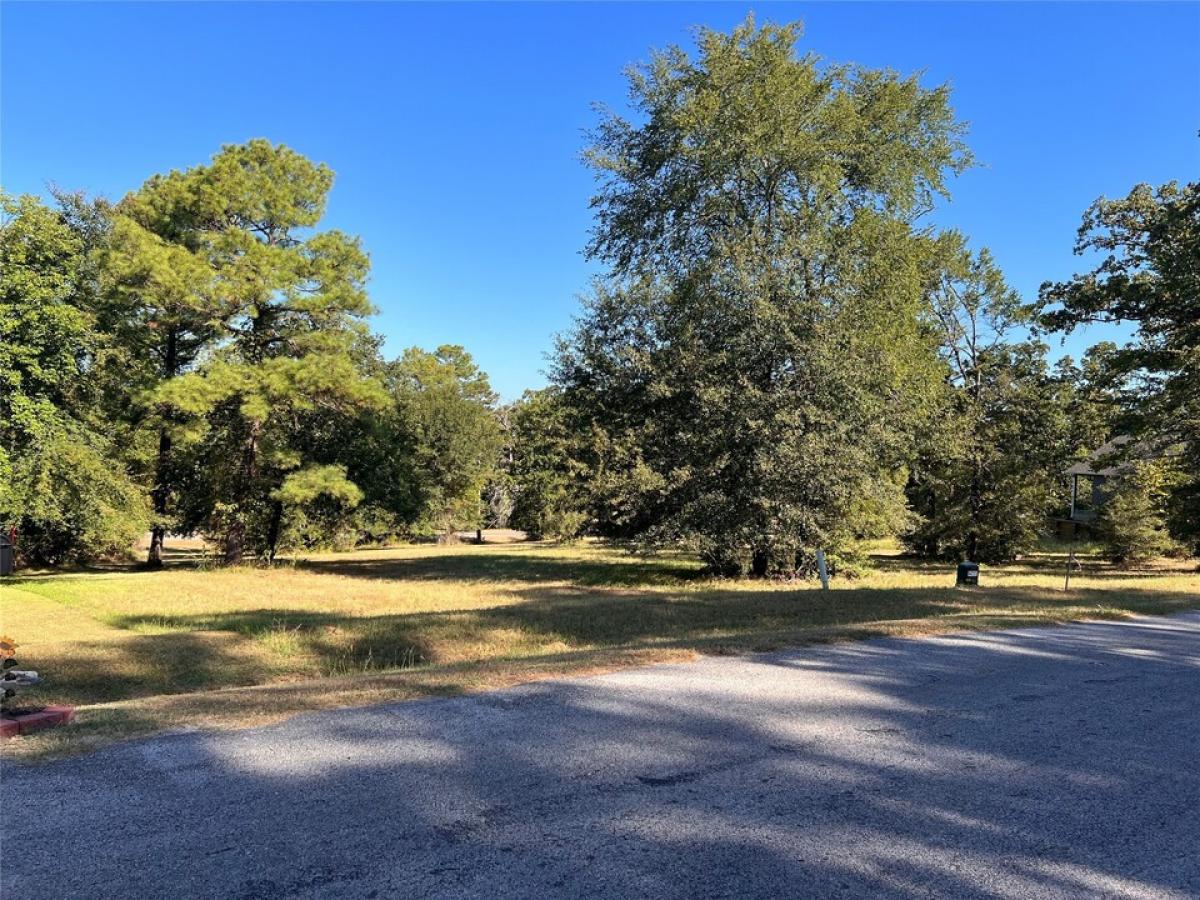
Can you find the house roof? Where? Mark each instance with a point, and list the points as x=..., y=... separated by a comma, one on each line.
x=1108, y=460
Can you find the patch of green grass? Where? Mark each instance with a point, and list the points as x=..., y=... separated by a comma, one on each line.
x=138, y=651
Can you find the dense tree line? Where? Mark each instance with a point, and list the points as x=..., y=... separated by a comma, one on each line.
x=783, y=354
x=196, y=358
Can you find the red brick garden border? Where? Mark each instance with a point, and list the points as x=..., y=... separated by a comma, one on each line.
x=48, y=717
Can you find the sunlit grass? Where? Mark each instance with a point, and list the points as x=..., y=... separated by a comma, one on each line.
x=138, y=651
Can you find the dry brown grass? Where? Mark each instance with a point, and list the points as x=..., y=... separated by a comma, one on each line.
x=139, y=651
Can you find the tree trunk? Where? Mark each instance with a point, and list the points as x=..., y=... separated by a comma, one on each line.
x=235, y=535
x=235, y=543
x=154, y=559
x=976, y=510
x=759, y=563
x=161, y=491
x=976, y=470
x=273, y=532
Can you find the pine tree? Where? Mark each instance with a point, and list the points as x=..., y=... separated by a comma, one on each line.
x=986, y=476
x=1133, y=522
x=287, y=306
x=164, y=308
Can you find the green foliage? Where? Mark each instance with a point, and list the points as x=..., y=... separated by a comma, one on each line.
x=548, y=483
x=221, y=339
x=1149, y=242
x=313, y=482
x=986, y=484
x=988, y=469
x=1097, y=400
x=62, y=482
x=271, y=315
x=379, y=450
x=70, y=498
x=782, y=356
x=166, y=307
x=747, y=140
x=46, y=334
x=753, y=368
x=1133, y=520
x=444, y=407
x=318, y=506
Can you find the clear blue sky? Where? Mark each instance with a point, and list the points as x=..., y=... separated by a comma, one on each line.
x=455, y=130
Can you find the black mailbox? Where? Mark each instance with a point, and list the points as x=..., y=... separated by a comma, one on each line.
x=968, y=574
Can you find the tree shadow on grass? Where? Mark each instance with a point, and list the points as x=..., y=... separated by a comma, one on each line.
x=548, y=621
x=140, y=665
x=189, y=654
x=1036, y=564
x=572, y=615
x=630, y=570
x=486, y=564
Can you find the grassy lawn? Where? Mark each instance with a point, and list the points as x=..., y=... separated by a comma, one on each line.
x=138, y=652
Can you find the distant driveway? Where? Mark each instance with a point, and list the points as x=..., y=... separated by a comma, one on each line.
x=1060, y=762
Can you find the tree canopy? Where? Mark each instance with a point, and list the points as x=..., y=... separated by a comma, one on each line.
x=782, y=352
x=1149, y=244
x=757, y=354
x=447, y=405
x=282, y=310
x=61, y=483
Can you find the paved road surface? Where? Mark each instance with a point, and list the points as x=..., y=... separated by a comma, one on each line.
x=1042, y=763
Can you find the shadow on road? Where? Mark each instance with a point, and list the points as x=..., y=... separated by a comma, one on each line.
x=1042, y=763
